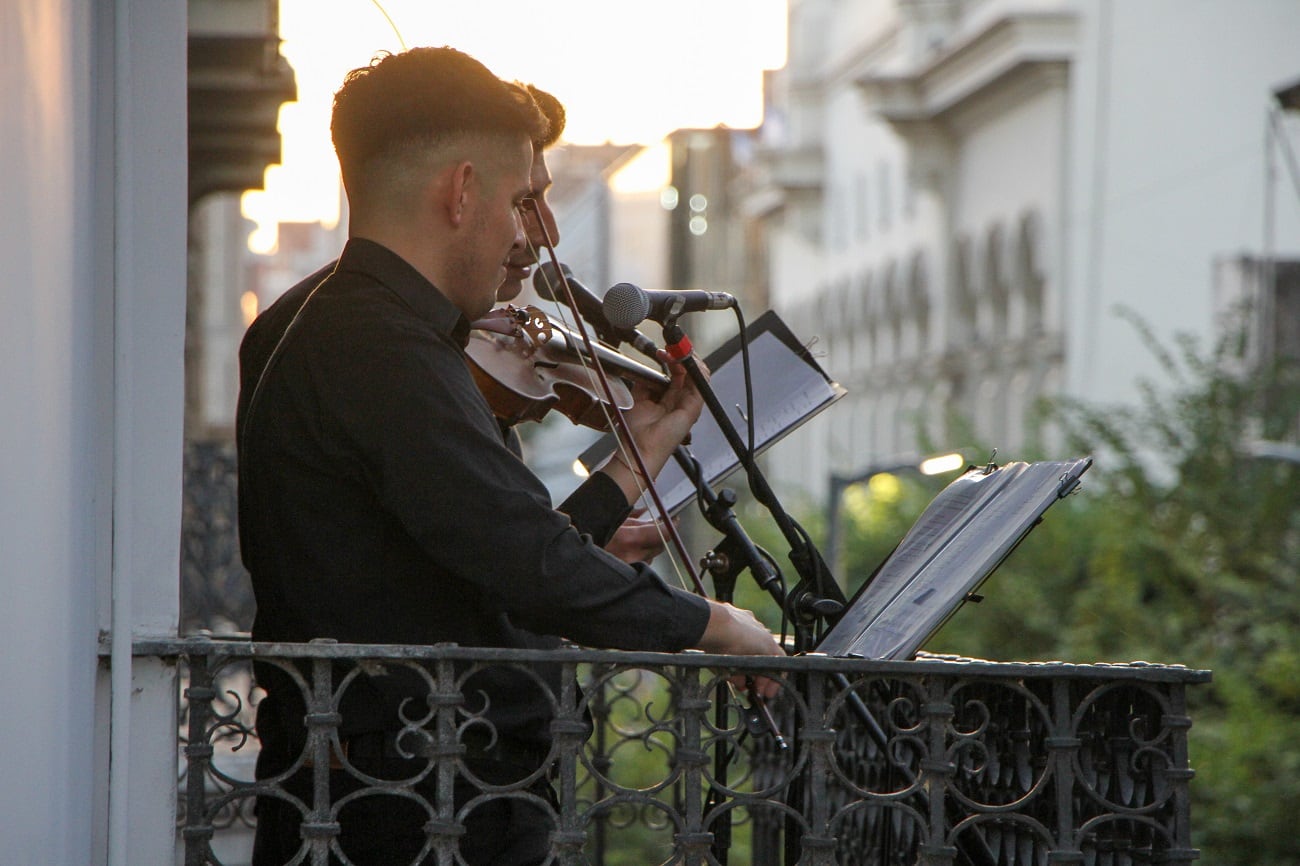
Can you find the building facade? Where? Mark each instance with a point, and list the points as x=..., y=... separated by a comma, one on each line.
x=952, y=200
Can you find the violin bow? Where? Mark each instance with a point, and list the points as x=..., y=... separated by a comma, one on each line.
x=643, y=480
x=626, y=443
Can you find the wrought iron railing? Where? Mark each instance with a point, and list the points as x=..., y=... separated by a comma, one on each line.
x=933, y=761
x=216, y=592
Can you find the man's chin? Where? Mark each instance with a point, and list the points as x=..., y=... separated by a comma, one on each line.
x=510, y=287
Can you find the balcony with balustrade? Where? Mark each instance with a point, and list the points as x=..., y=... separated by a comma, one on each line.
x=656, y=759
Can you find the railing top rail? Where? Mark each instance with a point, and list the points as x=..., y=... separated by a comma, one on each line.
x=925, y=664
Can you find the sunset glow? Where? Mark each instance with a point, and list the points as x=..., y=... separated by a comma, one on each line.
x=627, y=72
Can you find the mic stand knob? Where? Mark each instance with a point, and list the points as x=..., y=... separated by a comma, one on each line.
x=823, y=607
x=715, y=563
x=807, y=610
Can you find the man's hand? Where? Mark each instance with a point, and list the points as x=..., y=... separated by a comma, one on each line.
x=637, y=540
x=736, y=631
x=658, y=425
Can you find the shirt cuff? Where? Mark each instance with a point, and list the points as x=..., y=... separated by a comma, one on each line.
x=597, y=508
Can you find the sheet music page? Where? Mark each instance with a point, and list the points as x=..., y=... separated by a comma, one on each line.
x=789, y=388
x=949, y=512
x=786, y=393
x=962, y=536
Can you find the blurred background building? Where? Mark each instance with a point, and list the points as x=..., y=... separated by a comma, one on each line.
x=955, y=197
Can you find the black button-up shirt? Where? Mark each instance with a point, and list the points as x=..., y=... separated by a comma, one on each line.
x=379, y=504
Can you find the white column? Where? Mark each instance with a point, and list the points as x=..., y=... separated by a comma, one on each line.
x=148, y=274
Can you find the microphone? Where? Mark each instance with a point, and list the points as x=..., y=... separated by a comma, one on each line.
x=547, y=284
x=626, y=305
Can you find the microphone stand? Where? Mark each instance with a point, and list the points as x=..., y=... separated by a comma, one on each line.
x=735, y=553
x=817, y=598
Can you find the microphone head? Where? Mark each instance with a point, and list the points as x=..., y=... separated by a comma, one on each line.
x=626, y=305
x=547, y=283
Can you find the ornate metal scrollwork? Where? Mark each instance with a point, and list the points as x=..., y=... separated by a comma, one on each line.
x=653, y=758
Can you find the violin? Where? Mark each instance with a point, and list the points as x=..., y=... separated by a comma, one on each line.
x=528, y=340
x=526, y=365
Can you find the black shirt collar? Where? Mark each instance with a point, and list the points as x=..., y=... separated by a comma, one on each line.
x=403, y=280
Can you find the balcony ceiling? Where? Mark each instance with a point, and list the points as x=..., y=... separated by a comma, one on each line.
x=237, y=84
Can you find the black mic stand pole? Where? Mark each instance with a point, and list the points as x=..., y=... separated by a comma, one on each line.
x=817, y=597
x=735, y=553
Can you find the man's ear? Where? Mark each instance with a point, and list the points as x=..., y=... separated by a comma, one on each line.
x=457, y=191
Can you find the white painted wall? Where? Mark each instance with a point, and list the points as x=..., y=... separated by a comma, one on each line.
x=1010, y=165
x=1169, y=169
x=92, y=234
x=54, y=436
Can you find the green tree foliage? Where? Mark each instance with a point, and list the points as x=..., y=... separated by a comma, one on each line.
x=1200, y=564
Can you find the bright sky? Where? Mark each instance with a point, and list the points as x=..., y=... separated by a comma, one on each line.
x=628, y=71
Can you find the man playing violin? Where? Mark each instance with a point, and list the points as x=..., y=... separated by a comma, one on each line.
x=378, y=501
x=635, y=540
x=589, y=507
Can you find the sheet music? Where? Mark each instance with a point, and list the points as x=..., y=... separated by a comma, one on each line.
x=789, y=388
x=961, y=538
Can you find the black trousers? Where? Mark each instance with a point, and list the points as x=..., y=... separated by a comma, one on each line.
x=387, y=830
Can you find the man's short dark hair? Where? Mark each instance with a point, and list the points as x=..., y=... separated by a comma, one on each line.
x=553, y=109
x=419, y=98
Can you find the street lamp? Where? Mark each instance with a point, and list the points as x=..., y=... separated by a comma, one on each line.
x=937, y=464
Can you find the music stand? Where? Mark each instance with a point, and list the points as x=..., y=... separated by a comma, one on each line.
x=789, y=388
x=957, y=542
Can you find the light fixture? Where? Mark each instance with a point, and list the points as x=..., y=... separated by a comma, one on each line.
x=941, y=464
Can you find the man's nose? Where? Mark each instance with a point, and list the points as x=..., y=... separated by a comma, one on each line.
x=521, y=235
x=549, y=227
x=539, y=223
